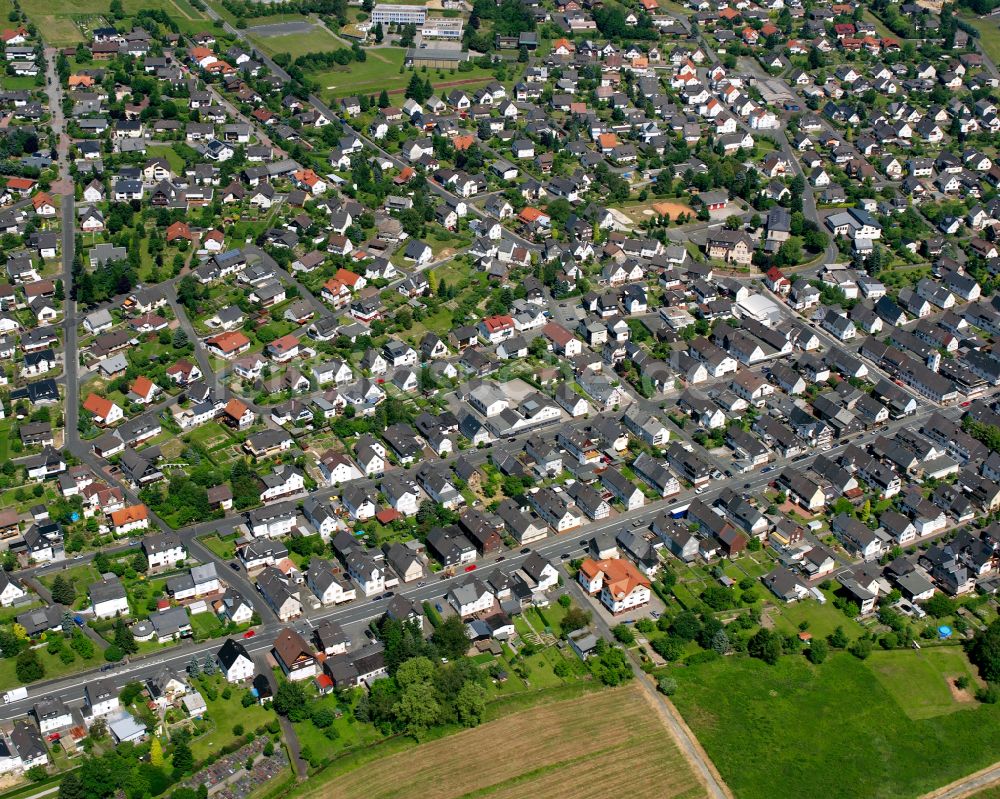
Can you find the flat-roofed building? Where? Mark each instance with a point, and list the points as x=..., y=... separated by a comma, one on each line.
x=393, y=14
x=442, y=28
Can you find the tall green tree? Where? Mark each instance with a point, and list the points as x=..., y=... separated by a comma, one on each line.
x=63, y=591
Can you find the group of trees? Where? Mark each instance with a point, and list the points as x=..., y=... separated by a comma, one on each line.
x=611, y=22
x=133, y=770
x=315, y=62
x=247, y=9
x=418, y=90
x=509, y=17
x=184, y=500
x=109, y=280
x=988, y=434
x=430, y=683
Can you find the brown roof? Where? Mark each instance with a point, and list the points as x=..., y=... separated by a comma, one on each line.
x=219, y=493
x=289, y=646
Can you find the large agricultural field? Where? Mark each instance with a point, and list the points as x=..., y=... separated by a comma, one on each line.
x=837, y=730
x=577, y=747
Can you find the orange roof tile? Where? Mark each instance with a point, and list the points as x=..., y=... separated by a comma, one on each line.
x=133, y=513
x=99, y=406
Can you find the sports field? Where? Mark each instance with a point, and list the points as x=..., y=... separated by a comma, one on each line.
x=610, y=742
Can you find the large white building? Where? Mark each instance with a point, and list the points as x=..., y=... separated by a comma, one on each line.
x=391, y=14
x=442, y=28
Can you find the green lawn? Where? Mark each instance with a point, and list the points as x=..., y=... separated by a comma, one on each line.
x=168, y=152
x=211, y=435
x=224, y=714
x=9, y=498
x=920, y=680
x=823, y=619
x=381, y=71
x=57, y=22
x=17, y=82
x=60, y=28
x=205, y=625
x=54, y=667
x=369, y=77
x=81, y=576
x=6, y=426
x=316, y=40
x=989, y=34
x=830, y=731
x=223, y=547
x=350, y=732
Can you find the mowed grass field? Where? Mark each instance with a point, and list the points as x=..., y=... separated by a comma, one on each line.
x=989, y=34
x=921, y=681
x=584, y=748
x=316, y=40
x=381, y=71
x=836, y=730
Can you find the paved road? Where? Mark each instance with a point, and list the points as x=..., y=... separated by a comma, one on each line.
x=968, y=786
x=288, y=730
x=557, y=548
x=64, y=188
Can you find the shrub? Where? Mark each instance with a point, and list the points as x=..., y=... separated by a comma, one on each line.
x=707, y=656
x=667, y=686
x=989, y=695
x=322, y=718
x=861, y=648
x=817, y=651
x=623, y=634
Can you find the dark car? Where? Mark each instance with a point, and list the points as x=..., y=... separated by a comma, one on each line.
x=234, y=566
x=526, y=550
x=746, y=485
